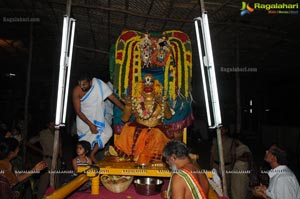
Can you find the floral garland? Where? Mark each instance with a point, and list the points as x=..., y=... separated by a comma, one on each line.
x=180, y=58
x=138, y=106
x=183, y=56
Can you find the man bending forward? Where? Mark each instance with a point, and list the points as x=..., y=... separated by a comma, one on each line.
x=88, y=101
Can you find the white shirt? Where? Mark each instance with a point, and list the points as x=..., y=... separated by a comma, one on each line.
x=283, y=184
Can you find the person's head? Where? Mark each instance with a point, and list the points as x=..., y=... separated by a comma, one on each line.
x=51, y=125
x=148, y=83
x=276, y=154
x=9, y=148
x=83, y=147
x=85, y=81
x=173, y=151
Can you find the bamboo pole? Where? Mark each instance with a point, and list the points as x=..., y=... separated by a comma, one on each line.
x=68, y=188
x=221, y=158
x=54, y=157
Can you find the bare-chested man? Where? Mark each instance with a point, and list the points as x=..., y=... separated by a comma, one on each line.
x=187, y=181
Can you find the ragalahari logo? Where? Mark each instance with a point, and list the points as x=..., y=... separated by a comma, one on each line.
x=246, y=9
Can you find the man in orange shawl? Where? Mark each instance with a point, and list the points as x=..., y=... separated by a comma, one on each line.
x=143, y=140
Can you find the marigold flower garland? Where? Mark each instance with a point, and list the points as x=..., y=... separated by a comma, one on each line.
x=138, y=106
x=178, y=65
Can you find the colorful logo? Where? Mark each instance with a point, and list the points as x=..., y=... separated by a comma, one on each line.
x=246, y=9
x=270, y=8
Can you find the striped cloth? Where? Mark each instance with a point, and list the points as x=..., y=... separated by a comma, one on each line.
x=193, y=184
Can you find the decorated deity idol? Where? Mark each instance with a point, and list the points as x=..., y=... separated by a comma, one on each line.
x=146, y=50
x=161, y=52
x=143, y=139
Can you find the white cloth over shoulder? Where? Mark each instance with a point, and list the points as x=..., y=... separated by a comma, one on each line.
x=283, y=184
x=93, y=107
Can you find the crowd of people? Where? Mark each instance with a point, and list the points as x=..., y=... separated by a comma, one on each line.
x=143, y=138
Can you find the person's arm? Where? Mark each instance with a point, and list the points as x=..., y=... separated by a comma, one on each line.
x=260, y=191
x=89, y=161
x=38, y=167
x=74, y=163
x=168, y=111
x=178, y=187
x=127, y=110
x=116, y=101
x=77, y=108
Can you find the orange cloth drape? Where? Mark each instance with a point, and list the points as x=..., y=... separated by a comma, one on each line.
x=148, y=145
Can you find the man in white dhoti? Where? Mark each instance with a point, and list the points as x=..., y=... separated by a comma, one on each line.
x=88, y=101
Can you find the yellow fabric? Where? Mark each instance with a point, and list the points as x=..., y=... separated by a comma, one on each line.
x=212, y=194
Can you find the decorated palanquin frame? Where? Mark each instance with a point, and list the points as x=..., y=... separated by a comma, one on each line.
x=168, y=57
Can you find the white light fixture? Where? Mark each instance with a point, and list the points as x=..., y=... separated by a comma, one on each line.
x=73, y=23
x=202, y=71
x=211, y=71
x=64, y=69
x=207, y=66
